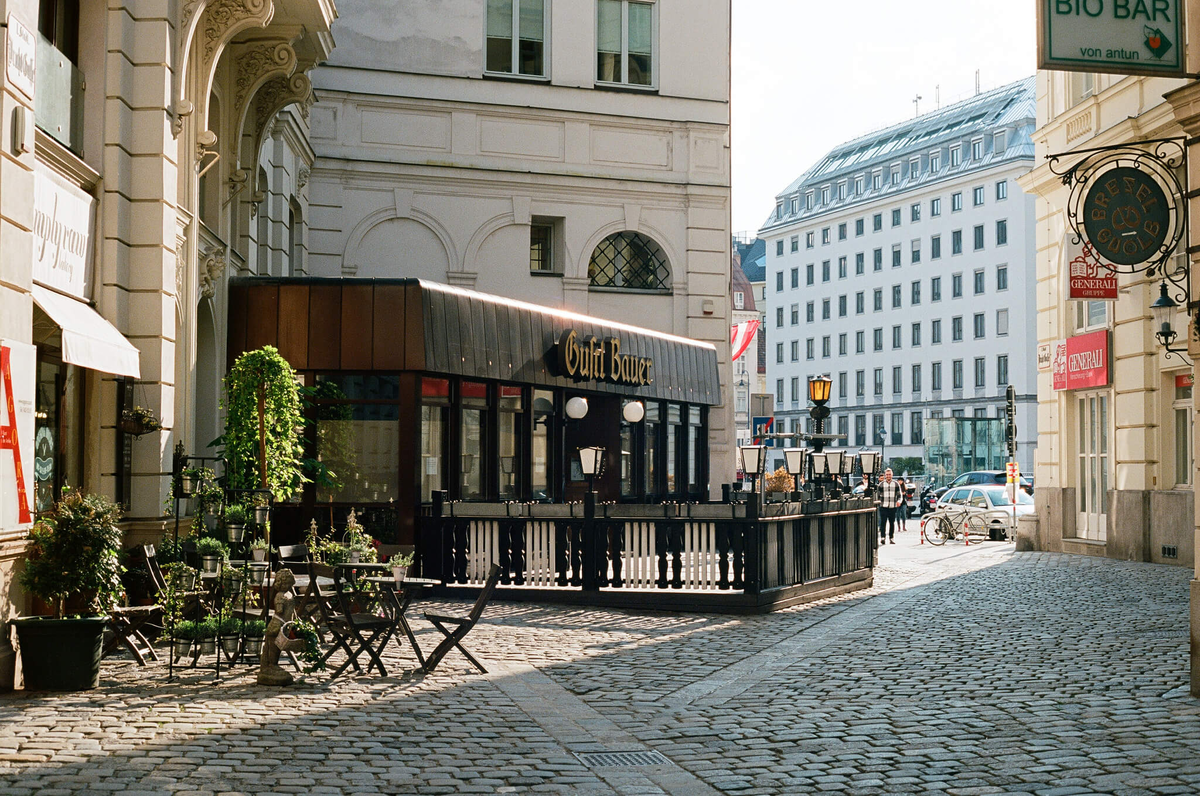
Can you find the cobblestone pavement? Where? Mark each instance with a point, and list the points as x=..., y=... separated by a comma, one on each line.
x=961, y=671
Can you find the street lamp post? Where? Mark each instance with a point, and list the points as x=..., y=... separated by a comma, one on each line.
x=795, y=459
x=591, y=461
x=753, y=461
x=881, y=440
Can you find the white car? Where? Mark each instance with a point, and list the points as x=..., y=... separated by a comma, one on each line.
x=992, y=503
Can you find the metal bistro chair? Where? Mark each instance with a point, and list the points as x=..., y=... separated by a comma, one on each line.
x=369, y=631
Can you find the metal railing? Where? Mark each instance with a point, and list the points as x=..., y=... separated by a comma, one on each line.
x=58, y=101
x=701, y=549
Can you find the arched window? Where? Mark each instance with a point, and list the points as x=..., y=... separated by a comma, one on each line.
x=631, y=261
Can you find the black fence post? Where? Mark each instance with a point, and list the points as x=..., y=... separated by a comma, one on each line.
x=752, y=560
x=590, y=543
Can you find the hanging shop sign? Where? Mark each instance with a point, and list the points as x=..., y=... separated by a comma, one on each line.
x=589, y=359
x=1081, y=362
x=1088, y=278
x=1184, y=380
x=17, y=376
x=1127, y=215
x=64, y=219
x=1124, y=37
x=1044, y=356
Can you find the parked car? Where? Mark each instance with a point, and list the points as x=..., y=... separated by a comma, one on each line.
x=992, y=503
x=983, y=477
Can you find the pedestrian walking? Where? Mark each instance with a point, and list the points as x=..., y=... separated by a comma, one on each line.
x=902, y=509
x=889, y=500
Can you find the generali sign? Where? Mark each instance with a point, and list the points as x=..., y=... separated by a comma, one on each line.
x=1081, y=362
x=1088, y=278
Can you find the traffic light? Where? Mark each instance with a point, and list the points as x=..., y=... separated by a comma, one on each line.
x=1010, y=424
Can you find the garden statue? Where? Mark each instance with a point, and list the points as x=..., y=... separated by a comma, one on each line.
x=274, y=643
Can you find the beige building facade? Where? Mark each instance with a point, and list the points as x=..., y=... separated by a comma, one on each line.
x=164, y=148
x=1114, y=469
x=573, y=153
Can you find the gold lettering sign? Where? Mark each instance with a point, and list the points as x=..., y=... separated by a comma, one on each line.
x=589, y=359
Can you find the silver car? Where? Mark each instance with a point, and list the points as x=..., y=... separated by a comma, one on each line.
x=993, y=504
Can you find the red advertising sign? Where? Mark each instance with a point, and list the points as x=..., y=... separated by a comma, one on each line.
x=1081, y=362
x=1184, y=380
x=1087, y=277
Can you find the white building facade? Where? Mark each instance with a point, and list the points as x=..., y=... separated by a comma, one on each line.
x=573, y=154
x=901, y=265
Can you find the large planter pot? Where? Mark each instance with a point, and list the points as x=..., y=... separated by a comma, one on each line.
x=258, y=573
x=60, y=654
x=254, y=647
x=181, y=647
x=261, y=515
x=399, y=573
x=210, y=563
x=234, y=531
x=258, y=553
x=208, y=646
x=230, y=644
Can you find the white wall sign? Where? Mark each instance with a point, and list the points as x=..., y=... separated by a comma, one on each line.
x=1044, y=356
x=21, y=56
x=17, y=376
x=1125, y=37
x=64, y=221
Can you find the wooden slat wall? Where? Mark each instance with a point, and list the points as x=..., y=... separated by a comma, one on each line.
x=354, y=324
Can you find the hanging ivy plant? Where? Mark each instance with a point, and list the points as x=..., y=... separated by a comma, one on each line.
x=263, y=424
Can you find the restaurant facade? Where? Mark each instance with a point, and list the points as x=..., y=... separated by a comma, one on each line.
x=420, y=388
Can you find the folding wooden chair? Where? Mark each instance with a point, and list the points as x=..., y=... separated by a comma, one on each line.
x=327, y=617
x=127, y=624
x=462, y=626
x=370, y=632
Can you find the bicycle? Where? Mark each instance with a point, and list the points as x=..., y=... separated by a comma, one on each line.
x=947, y=522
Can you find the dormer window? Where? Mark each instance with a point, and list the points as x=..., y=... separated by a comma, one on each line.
x=935, y=161
x=858, y=186
x=841, y=191
x=955, y=156
x=825, y=195
x=808, y=201
x=977, y=149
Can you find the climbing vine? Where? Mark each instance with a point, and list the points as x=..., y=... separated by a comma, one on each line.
x=263, y=424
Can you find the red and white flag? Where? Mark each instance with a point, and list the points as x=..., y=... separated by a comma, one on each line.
x=742, y=335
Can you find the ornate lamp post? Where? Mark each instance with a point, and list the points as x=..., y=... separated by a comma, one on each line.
x=1162, y=309
x=818, y=392
x=754, y=459
x=870, y=464
x=795, y=459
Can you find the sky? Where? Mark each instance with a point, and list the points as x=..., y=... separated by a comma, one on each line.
x=811, y=74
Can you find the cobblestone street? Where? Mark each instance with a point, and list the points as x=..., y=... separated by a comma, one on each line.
x=961, y=671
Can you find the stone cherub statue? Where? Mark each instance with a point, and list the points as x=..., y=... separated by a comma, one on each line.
x=284, y=608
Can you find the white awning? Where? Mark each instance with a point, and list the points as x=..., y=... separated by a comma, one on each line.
x=88, y=340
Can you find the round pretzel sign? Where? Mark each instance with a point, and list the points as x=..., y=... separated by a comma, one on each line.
x=1126, y=216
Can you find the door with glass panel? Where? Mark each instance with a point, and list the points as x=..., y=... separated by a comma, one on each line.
x=1094, y=465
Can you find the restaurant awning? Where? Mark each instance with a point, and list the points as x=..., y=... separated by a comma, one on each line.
x=88, y=340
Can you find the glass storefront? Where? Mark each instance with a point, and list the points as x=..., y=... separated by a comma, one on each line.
x=58, y=413
x=358, y=437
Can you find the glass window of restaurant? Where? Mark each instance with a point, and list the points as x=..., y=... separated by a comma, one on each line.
x=510, y=433
x=435, y=424
x=630, y=442
x=541, y=467
x=650, y=465
x=358, y=437
x=675, y=448
x=698, y=436
x=473, y=441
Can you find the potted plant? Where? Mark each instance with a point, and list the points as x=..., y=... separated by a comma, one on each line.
x=360, y=546
x=400, y=564
x=189, y=481
x=261, y=509
x=254, y=631
x=183, y=637
x=212, y=552
x=73, y=566
x=259, y=549
x=230, y=631
x=138, y=421
x=206, y=632
x=235, y=523
x=180, y=576
x=231, y=582
x=257, y=573
x=779, y=483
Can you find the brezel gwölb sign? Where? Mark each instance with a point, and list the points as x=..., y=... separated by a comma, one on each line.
x=600, y=360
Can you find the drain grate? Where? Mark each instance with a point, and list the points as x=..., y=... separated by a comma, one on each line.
x=621, y=759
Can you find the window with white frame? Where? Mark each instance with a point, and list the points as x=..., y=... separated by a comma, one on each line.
x=1182, y=408
x=1001, y=374
x=999, y=142
x=895, y=175
x=977, y=195
x=808, y=200
x=1001, y=190
x=739, y=300
x=825, y=195
x=955, y=156
x=914, y=168
x=1001, y=323
x=841, y=190
x=858, y=185
x=935, y=161
x=516, y=37
x=625, y=42
x=795, y=205
x=977, y=149
x=876, y=180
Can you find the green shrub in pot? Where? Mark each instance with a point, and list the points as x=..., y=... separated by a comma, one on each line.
x=74, y=567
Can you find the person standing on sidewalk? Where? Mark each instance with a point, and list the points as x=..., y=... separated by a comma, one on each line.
x=902, y=509
x=889, y=499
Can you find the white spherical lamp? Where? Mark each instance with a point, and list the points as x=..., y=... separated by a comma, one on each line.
x=577, y=408
x=633, y=412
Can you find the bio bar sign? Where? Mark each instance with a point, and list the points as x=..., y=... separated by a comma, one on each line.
x=1081, y=362
x=1128, y=37
x=17, y=362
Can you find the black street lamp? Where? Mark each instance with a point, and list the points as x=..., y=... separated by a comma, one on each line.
x=1162, y=309
x=819, y=388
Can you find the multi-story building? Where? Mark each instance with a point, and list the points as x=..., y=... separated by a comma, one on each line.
x=156, y=149
x=1115, y=467
x=753, y=254
x=573, y=154
x=901, y=266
